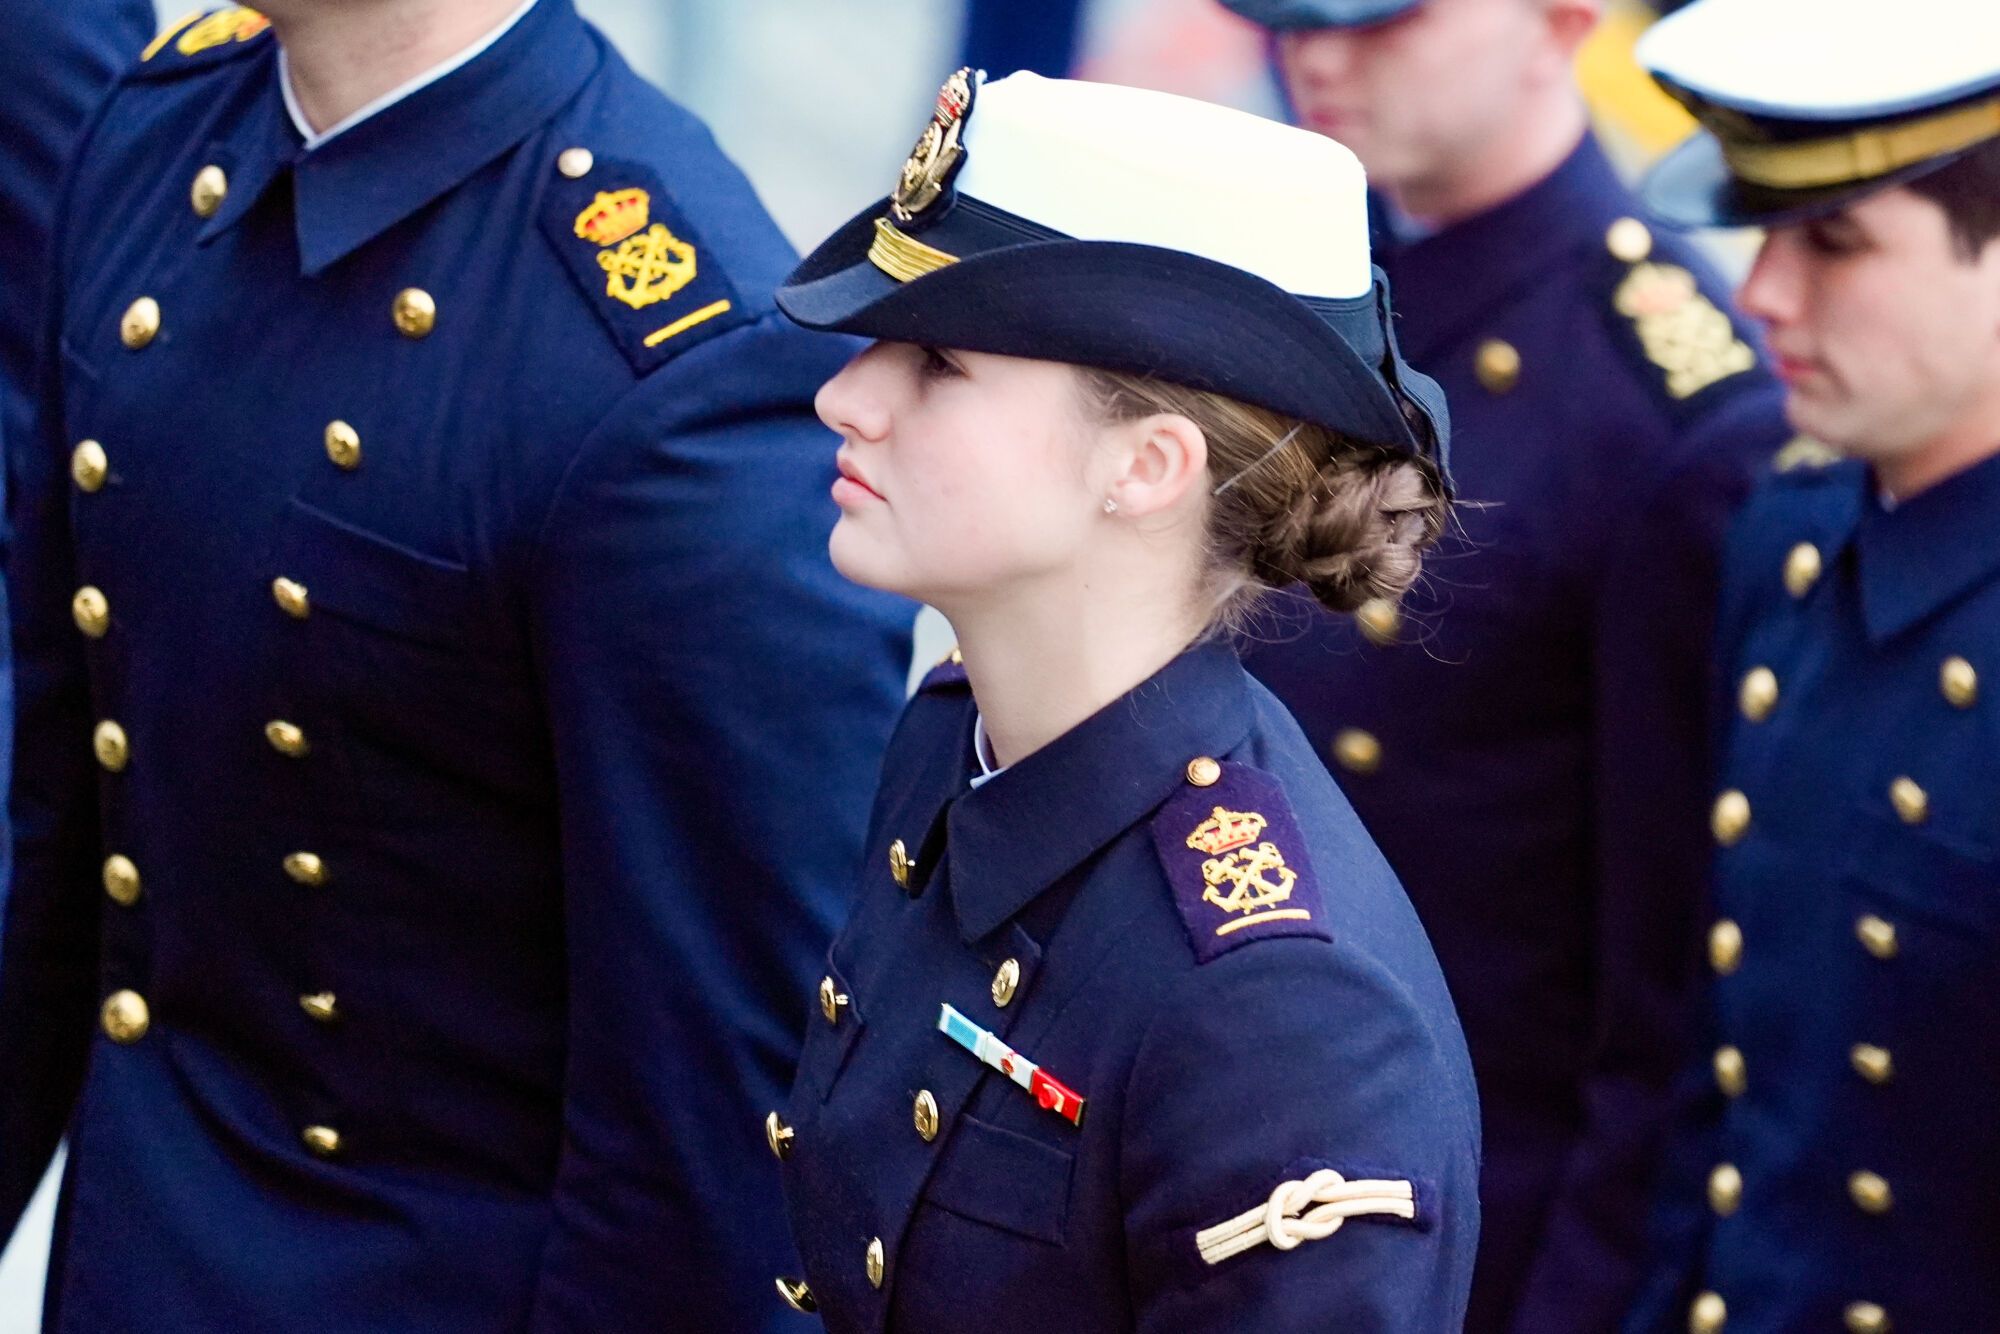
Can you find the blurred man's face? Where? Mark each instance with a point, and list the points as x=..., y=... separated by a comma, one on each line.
x=1886, y=335
x=1419, y=97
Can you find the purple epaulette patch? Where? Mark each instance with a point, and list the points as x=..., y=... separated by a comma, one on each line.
x=1232, y=851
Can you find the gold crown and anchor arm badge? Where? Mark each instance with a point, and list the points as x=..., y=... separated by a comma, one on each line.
x=1237, y=861
x=638, y=260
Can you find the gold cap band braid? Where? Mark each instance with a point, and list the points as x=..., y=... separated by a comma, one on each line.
x=902, y=256
x=1861, y=156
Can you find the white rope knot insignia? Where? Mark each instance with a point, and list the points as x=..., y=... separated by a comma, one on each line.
x=1285, y=1220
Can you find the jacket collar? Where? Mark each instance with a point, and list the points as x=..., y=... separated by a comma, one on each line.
x=1018, y=834
x=1449, y=280
x=374, y=175
x=1927, y=551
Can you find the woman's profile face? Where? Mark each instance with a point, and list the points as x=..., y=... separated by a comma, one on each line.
x=963, y=474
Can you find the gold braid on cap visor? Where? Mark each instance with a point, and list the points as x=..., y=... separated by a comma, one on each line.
x=902, y=256
x=1861, y=156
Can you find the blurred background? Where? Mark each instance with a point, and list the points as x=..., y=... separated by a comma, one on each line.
x=819, y=101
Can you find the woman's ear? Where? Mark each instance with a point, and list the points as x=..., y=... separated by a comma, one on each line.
x=1164, y=458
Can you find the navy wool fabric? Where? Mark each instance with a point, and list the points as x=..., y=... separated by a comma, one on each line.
x=1218, y=1054
x=1539, y=766
x=466, y=985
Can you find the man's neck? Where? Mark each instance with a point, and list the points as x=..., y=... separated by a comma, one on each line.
x=1514, y=163
x=342, y=57
x=1906, y=476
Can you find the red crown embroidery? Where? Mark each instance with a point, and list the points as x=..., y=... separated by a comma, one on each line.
x=1225, y=830
x=613, y=216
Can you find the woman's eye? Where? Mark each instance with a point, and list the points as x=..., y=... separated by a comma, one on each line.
x=937, y=365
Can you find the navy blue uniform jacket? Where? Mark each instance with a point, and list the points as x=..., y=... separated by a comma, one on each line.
x=429, y=817
x=1171, y=910
x=1841, y=1169
x=58, y=58
x=1530, y=750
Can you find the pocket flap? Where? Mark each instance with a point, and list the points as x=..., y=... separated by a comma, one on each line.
x=361, y=576
x=997, y=1176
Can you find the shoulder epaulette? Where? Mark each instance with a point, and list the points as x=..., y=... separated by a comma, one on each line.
x=949, y=671
x=1680, y=339
x=1805, y=454
x=1233, y=853
x=642, y=268
x=202, y=38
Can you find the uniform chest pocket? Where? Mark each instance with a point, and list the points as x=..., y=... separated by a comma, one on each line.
x=358, y=576
x=1003, y=1179
x=1916, y=875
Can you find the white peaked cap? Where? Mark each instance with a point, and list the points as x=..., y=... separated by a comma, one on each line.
x=1101, y=162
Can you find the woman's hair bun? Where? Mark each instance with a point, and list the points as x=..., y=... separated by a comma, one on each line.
x=1358, y=532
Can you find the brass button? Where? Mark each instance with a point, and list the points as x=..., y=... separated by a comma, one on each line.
x=125, y=1017
x=1876, y=936
x=290, y=596
x=1802, y=569
x=88, y=466
x=1730, y=1074
x=1203, y=771
x=1357, y=751
x=1707, y=1314
x=899, y=864
x=1758, y=694
x=1865, y=1318
x=877, y=1261
x=924, y=1112
x=210, y=188
x=1959, y=683
x=343, y=445
x=779, y=1136
x=1380, y=620
x=287, y=738
x=91, y=611
x=831, y=1002
x=1871, y=1062
x=320, y=1006
x=797, y=1295
x=414, y=312
x=1730, y=818
x=575, y=162
x=1629, y=240
x=1912, y=803
x=1498, y=365
x=1725, y=946
x=306, y=868
x=322, y=1140
x=121, y=880
x=1006, y=980
x=108, y=741
x=1869, y=1192
x=140, y=324
x=1725, y=1189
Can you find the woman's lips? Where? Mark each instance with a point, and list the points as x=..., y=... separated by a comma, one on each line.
x=851, y=488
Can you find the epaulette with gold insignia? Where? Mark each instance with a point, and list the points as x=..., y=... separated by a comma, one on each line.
x=1681, y=336
x=949, y=671
x=1233, y=853
x=203, y=37
x=639, y=262
x=1805, y=454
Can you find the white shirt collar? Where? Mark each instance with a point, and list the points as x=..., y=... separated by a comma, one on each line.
x=983, y=749
x=394, y=95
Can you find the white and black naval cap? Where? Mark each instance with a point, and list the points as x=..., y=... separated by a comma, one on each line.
x=1807, y=105
x=1139, y=232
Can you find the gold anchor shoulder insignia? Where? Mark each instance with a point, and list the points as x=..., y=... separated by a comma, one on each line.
x=1681, y=331
x=1237, y=860
x=638, y=259
x=203, y=31
x=937, y=152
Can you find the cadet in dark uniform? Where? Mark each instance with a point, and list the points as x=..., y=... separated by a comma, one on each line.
x=1525, y=735
x=1841, y=1168
x=1133, y=1027
x=443, y=740
x=58, y=58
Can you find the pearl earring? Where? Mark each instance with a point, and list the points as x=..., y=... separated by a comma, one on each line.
x=1110, y=505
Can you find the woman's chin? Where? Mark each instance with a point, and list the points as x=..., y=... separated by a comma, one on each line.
x=859, y=558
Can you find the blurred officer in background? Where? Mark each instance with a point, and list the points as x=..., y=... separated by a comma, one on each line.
x=1842, y=1170
x=1525, y=736
x=58, y=58
x=441, y=726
